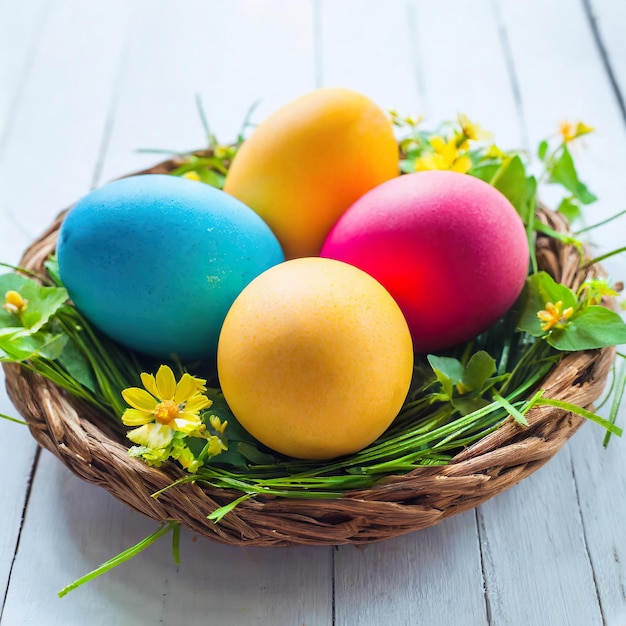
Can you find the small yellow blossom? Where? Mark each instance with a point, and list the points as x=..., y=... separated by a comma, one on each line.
x=164, y=407
x=569, y=131
x=445, y=156
x=553, y=316
x=14, y=303
x=494, y=152
x=409, y=120
x=192, y=175
x=471, y=130
x=216, y=445
x=596, y=289
x=223, y=152
x=217, y=424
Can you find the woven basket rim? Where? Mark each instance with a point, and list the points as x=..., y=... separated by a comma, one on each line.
x=89, y=446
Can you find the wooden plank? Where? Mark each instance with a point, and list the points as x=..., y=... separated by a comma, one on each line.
x=46, y=162
x=366, y=45
x=231, y=54
x=537, y=569
x=20, y=28
x=71, y=527
x=562, y=77
x=429, y=577
x=599, y=476
x=56, y=134
x=464, y=68
x=607, y=20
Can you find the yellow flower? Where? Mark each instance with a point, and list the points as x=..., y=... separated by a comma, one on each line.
x=445, y=156
x=471, y=130
x=14, y=303
x=217, y=424
x=553, y=316
x=569, y=132
x=216, y=445
x=596, y=289
x=164, y=407
x=191, y=175
x=495, y=153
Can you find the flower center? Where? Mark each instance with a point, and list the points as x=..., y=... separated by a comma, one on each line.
x=166, y=411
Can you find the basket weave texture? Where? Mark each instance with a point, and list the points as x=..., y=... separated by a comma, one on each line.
x=90, y=446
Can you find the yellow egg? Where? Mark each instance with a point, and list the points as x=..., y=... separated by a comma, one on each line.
x=307, y=163
x=315, y=358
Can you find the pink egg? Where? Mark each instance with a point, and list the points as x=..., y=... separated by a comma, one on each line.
x=448, y=247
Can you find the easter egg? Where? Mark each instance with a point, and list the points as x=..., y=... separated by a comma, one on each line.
x=155, y=261
x=309, y=161
x=448, y=247
x=315, y=358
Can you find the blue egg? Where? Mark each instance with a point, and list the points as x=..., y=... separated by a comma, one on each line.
x=156, y=261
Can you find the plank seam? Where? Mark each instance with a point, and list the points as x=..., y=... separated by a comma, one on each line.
x=507, y=53
x=107, y=132
x=29, y=486
x=33, y=50
x=487, y=599
x=318, y=59
x=605, y=57
x=332, y=582
x=412, y=20
x=586, y=543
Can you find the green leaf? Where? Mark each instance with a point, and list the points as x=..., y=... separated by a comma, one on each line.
x=594, y=327
x=23, y=347
x=254, y=455
x=563, y=172
x=573, y=408
x=570, y=209
x=517, y=415
x=52, y=346
x=485, y=171
x=510, y=179
x=542, y=150
x=77, y=366
x=407, y=166
x=52, y=267
x=43, y=302
x=468, y=404
x=448, y=371
x=478, y=370
x=540, y=288
x=220, y=512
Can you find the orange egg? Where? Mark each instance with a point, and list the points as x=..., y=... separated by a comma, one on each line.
x=309, y=161
x=315, y=358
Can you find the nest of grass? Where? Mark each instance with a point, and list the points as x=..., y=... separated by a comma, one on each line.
x=94, y=448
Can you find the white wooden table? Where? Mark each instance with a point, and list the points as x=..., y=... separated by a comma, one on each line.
x=83, y=85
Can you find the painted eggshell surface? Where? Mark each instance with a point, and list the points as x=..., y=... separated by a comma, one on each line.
x=309, y=161
x=155, y=261
x=450, y=249
x=315, y=358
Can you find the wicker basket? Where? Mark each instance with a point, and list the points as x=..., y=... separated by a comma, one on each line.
x=90, y=446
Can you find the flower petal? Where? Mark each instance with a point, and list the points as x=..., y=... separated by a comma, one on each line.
x=187, y=423
x=166, y=383
x=151, y=435
x=148, y=381
x=185, y=389
x=196, y=404
x=134, y=417
x=139, y=399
